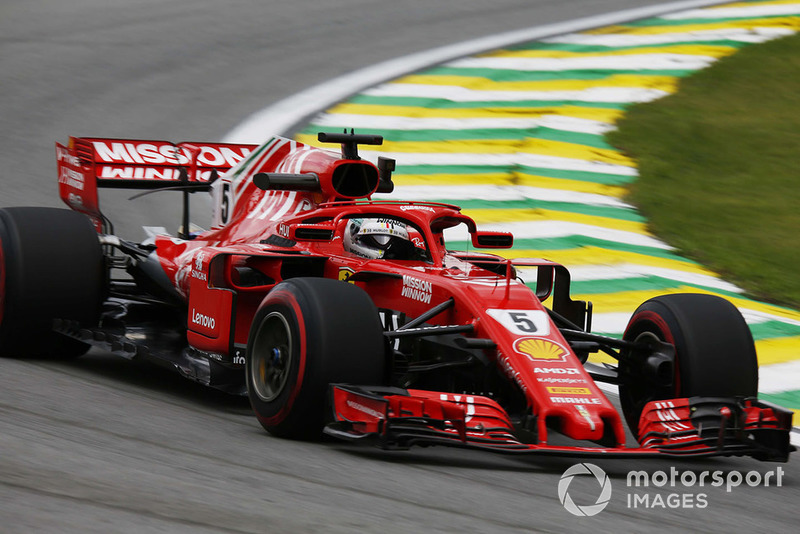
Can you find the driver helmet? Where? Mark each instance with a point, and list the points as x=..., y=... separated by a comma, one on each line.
x=372, y=238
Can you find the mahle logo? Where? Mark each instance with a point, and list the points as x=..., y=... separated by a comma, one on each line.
x=580, y=470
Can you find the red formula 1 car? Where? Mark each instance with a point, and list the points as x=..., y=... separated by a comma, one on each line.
x=340, y=313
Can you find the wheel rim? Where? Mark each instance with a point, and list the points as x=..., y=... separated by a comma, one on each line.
x=271, y=358
x=660, y=391
x=634, y=396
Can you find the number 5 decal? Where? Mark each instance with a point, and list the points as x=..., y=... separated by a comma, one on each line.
x=523, y=322
x=225, y=205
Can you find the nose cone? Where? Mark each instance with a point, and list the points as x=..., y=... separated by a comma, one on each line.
x=583, y=424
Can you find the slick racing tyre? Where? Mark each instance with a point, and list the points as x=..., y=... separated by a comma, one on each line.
x=714, y=351
x=51, y=267
x=308, y=333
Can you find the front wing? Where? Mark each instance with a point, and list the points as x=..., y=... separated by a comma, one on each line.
x=395, y=418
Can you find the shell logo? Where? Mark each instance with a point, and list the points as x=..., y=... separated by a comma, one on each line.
x=540, y=349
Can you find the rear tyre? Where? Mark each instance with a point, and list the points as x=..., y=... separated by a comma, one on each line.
x=714, y=351
x=51, y=267
x=307, y=334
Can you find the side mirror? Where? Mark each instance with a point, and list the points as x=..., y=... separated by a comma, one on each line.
x=492, y=239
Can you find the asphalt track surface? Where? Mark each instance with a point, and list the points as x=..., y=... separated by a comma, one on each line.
x=105, y=445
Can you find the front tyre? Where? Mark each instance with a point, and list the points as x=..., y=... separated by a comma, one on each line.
x=714, y=351
x=307, y=334
x=51, y=267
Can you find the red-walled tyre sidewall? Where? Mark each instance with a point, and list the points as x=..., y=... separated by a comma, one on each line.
x=714, y=350
x=336, y=337
x=51, y=267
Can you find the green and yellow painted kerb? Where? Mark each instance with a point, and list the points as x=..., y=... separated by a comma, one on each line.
x=516, y=137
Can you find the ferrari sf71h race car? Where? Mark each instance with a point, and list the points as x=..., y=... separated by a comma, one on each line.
x=340, y=313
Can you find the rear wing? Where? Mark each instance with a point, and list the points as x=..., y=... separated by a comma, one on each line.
x=88, y=163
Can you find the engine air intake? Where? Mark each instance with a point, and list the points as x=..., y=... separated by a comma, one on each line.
x=355, y=179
